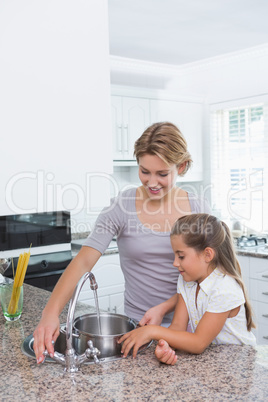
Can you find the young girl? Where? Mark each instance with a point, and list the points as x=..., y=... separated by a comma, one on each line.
x=211, y=293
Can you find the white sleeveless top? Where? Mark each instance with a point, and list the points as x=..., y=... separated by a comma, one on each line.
x=218, y=293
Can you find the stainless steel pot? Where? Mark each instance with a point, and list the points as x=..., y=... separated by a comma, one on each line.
x=113, y=326
x=86, y=328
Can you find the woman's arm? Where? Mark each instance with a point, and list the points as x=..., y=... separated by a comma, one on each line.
x=48, y=327
x=155, y=315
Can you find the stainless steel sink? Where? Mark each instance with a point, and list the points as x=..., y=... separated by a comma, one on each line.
x=60, y=346
x=27, y=346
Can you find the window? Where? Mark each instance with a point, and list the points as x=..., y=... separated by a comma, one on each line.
x=239, y=145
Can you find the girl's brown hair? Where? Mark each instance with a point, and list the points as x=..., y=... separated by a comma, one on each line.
x=165, y=141
x=200, y=231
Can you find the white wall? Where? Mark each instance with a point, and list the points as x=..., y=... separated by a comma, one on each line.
x=54, y=104
x=229, y=77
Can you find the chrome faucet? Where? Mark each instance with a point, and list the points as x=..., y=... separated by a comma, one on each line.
x=71, y=360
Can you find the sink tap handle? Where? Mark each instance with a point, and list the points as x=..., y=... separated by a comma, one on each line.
x=92, y=352
x=45, y=354
x=58, y=357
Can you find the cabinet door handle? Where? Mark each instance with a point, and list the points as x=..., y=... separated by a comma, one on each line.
x=265, y=337
x=119, y=139
x=265, y=315
x=265, y=276
x=126, y=138
x=265, y=293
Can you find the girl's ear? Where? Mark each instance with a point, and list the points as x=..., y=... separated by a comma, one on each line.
x=209, y=254
x=181, y=167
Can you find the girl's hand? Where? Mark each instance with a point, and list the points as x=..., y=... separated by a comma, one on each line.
x=47, y=331
x=165, y=353
x=153, y=316
x=135, y=339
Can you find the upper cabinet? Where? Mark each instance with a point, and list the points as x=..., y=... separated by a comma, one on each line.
x=130, y=117
x=188, y=117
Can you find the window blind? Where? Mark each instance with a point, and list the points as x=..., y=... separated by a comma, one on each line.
x=239, y=165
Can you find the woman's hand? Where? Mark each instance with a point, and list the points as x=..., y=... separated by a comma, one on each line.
x=135, y=339
x=165, y=353
x=153, y=316
x=47, y=331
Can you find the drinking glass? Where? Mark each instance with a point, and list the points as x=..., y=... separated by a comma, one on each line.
x=11, y=301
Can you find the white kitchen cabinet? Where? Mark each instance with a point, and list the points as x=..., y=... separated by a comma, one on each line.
x=259, y=296
x=111, y=285
x=244, y=265
x=130, y=117
x=255, y=276
x=188, y=117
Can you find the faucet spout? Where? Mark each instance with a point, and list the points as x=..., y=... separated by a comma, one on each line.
x=71, y=360
x=71, y=310
x=71, y=357
x=93, y=283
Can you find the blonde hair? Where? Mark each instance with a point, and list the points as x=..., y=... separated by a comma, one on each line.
x=165, y=141
x=200, y=231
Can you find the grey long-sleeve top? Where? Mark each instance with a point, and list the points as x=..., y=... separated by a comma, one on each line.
x=146, y=256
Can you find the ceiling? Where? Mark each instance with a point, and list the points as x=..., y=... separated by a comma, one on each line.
x=184, y=31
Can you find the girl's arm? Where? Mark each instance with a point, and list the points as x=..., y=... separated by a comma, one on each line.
x=141, y=336
x=208, y=328
x=48, y=327
x=181, y=316
x=165, y=353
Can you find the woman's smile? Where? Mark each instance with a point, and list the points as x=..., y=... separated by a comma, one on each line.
x=154, y=190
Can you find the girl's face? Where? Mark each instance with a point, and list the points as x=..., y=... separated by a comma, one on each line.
x=156, y=176
x=192, y=266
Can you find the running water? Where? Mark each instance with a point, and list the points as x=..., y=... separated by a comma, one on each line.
x=97, y=311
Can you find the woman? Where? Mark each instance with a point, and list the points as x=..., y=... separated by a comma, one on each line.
x=141, y=218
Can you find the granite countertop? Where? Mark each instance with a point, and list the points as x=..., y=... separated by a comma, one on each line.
x=77, y=243
x=261, y=252
x=220, y=373
x=79, y=238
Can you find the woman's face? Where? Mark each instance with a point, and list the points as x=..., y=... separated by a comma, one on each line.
x=156, y=176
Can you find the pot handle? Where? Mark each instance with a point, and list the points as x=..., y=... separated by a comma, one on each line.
x=63, y=331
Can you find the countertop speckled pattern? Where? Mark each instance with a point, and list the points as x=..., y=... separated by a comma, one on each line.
x=221, y=373
x=79, y=238
x=76, y=245
x=259, y=253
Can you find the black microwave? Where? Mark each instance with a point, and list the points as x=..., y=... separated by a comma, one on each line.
x=37, y=229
